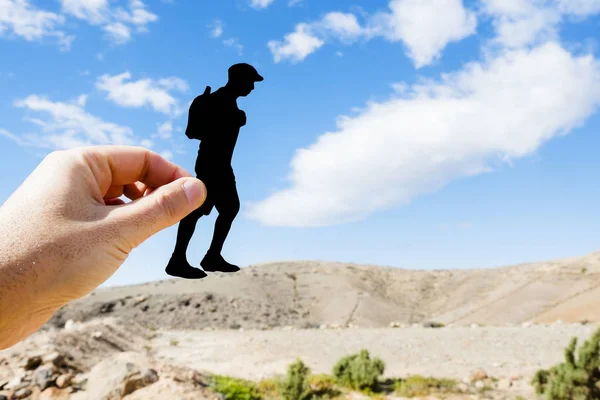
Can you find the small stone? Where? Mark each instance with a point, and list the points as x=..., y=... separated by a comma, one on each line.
x=55, y=358
x=43, y=376
x=64, y=380
x=22, y=393
x=474, y=326
x=69, y=325
x=97, y=335
x=139, y=299
x=515, y=378
x=479, y=384
x=462, y=387
x=526, y=324
x=32, y=363
x=15, y=383
x=138, y=381
x=478, y=375
x=53, y=393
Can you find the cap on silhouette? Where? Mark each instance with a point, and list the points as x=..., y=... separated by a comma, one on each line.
x=243, y=71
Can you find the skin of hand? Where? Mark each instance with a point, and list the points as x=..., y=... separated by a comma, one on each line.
x=65, y=231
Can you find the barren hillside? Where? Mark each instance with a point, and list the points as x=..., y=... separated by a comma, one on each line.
x=309, y=294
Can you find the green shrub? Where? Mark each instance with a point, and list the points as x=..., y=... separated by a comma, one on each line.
x=359, y=371
x=235, y=389
x=575, y=378
x=418, y=385
x=295, y=385
x=323, y=386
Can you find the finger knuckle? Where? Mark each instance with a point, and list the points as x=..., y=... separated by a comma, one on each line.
x=166, y=205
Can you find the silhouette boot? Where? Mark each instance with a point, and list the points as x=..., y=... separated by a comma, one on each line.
x=180, y=268
x=214, y=262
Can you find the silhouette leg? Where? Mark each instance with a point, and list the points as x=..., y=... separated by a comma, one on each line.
x=228, y=210
x=178, y=265
x=185, y=231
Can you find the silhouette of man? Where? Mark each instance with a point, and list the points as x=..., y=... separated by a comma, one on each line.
x=221, y=119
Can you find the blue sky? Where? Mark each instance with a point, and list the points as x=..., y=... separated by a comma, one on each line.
x=425, y=134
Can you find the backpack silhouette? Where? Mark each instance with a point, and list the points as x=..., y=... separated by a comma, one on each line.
x=197, y=115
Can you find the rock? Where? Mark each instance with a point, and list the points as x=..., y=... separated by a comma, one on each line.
x=32, y=363
x=118, y=375
x=70, y=325
x=526, y=324
x=56, y=359
x=15, y=383
x=479, y=384
x=64, y=380
x=138, y=381
x=43, y=376
x=22, y=393
x=394, y=324
x=97, y=335
x=139, y=299
x=497, y=364
x=479, y=375
x=515, y=378
x=474, y=326
x=323, y=326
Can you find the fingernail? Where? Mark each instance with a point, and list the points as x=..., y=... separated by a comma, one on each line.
x=195, y=191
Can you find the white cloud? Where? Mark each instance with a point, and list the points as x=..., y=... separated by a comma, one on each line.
x=260, y=3
x=67, y=125
x=430, y=134
x=234, y=43
x=119, y=33
x=296, y=46
x=292, y=3
x=580, y=8
x=20, y=18
x=147, y=143
x=520, y=23
x=216, y=28
x=167, y=154
x=426, y=27
x=144, y=92
x=344, y=26
x=117, y=22
x=165, y=131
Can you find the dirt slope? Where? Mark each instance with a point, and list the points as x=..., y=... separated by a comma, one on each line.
x=309, y=294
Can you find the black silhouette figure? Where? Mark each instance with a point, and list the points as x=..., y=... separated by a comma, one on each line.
x=214, y=119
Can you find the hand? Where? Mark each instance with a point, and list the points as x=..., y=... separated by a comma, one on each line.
x=65, y=231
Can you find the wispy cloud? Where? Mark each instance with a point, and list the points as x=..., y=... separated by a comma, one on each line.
x=424, y=26
x=260, y=4
x=429, y=134
x=20, y=18
x=117, y=22
x=121, y=90
x=67, y=125
x=216, y=28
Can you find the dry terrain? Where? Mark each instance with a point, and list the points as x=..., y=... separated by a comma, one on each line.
x=507, y=321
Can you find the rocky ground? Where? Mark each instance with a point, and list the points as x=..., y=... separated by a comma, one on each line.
x=490, y=329
x=111, y=359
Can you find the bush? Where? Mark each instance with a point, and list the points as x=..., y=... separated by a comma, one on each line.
x=359, y=371
x=323, y=386
x=420, y=386
x=235, y=389
x=295, y=385
x=575, y=378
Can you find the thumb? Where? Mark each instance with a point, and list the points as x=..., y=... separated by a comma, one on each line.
x=164, y=207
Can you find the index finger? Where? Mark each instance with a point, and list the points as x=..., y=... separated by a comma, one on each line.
x=123, y=165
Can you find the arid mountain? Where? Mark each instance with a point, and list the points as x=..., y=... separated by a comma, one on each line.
x=309, y=294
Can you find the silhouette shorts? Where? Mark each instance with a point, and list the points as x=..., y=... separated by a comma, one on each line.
x=221, y=193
